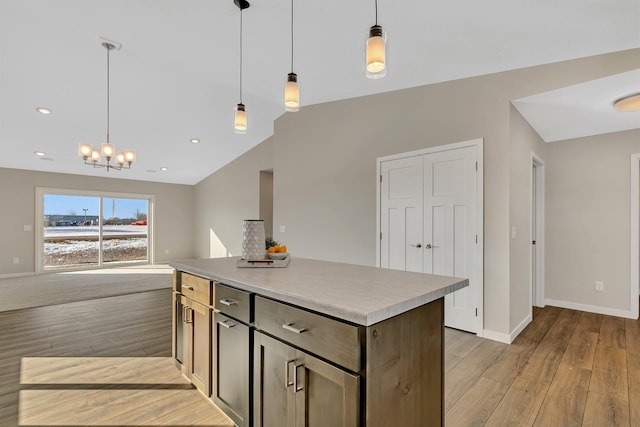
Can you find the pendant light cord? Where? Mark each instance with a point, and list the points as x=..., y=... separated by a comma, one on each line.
x=292, y=36
x=108, y=104
x=240, y=55
x=376, y=12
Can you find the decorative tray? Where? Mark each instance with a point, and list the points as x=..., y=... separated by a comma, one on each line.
x=264, y=263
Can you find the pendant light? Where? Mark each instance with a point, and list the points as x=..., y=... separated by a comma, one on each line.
x=291, y=88
x=375, y=58
x=240, y=116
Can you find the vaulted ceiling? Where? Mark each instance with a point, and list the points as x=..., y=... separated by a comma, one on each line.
x=176, y=76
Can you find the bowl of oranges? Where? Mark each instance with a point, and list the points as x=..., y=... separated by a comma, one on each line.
x=276, y=250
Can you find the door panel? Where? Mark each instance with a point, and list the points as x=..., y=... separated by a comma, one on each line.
x=450, y=193
x=328, y=396
x=273, y=382
x=401, y=214
x=431, y=200
x=201, y=367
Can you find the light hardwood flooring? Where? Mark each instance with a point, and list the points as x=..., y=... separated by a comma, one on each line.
x=567, y=368
x=107, y=362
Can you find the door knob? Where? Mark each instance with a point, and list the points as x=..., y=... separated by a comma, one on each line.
x=419, y=245
x=428, y=246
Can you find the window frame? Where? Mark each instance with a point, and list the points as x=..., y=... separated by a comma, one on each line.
x=39, y=234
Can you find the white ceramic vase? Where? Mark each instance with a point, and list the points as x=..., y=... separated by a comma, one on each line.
x=253, y=240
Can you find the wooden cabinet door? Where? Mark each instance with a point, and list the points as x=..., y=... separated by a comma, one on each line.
x=325, y=395
x=177, y=341
x=185, y=329
x=231, y=348
x=200, y=373
x=274, y=400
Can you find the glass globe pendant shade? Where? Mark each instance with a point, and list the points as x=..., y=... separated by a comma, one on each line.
x=240, y=123
x=84, y=150
x=375, y=53
x=292, y=93
x=108, y=150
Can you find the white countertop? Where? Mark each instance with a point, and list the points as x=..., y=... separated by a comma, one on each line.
x=358, y=294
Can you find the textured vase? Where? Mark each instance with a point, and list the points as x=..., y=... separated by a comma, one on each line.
x=253, y=240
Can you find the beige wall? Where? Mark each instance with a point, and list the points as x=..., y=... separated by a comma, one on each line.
x=227, y=197
x=173, y=222
x=588, y=220
x=524, y=142
x=324, y=162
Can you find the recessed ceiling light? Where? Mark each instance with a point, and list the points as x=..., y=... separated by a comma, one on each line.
x=164, y=168
x=40, y=153
x=628, y=103
x=195, y=140
x=43, y=110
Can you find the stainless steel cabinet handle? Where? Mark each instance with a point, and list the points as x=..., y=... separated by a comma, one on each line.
x=228, y=302
x=227, y=324
x=188, y=287
x=419, y=245
x=290, y=327
x=428, y=246
x=189, y=315
x=287, y=382
x=295, y=378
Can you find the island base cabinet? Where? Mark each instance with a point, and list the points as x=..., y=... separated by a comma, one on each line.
x=293, y=388
x=231, y=349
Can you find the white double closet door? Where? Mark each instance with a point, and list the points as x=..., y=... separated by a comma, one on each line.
x=428, y=223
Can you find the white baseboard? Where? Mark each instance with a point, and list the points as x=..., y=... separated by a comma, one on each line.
x=590, y=308
x=9, y=276
x=521, y=327
x=496, y=336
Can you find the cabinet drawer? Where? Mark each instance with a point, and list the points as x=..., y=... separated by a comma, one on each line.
x=336, y=341
x=233, y=302
x=196, y=288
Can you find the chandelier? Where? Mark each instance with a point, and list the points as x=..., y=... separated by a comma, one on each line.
x=93, y=156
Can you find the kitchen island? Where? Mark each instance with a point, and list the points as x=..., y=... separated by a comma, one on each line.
x=327, y=343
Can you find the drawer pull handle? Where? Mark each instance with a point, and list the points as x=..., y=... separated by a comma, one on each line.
x=287, y=378
x=228, y=302
x=295, y=378
x=188, y=287
x=290, y=327
x=227, y=324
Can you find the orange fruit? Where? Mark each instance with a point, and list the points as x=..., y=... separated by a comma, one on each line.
x=272, y=250
x=283, y=249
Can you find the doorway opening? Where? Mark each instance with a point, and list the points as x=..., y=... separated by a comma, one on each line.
x=430, y=219
x=634, y=283
x=537, y=231
x=266, y=200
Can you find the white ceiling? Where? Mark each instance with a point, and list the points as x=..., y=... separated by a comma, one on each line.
x=176, y=76
x=582, y=110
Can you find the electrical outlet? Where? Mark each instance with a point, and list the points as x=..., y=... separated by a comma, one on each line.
x=283, y=228
x=514, y=232
x=166, y=251
x=27, y=228
x=599, y=286
x=16, y=260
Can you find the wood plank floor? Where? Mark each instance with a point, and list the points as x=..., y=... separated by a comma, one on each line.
x=98, y=362
x=567, y=368
x=107, y=362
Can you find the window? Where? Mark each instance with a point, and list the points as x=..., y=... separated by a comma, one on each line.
x=90, y=230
